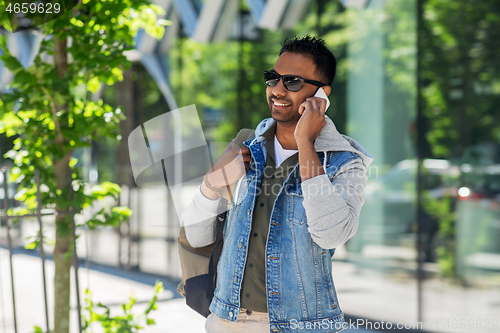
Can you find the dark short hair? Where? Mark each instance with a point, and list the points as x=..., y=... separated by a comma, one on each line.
x=326, y=64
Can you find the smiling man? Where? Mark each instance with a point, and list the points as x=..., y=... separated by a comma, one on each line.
x=299, y=190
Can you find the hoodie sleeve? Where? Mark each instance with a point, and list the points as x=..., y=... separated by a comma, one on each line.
x=199, y=220
x=332, y=207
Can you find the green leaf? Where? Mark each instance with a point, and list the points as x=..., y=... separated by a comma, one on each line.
x=73, y=162
x=37, y=329
x=32, y=245
x=11, y=124
x=3, y=41
x=11, y=63
x=27, y=114
x=130, y=303
x=122, y=211
x=159, y=287
x=105, y=189
x=4, y=22
x=94, y=317
x=118, y=73
x=164, y=22
x=93, y=85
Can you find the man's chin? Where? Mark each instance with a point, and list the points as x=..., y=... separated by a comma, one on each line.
x=284, y=119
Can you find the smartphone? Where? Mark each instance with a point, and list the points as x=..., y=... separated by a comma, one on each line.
x=321, y=93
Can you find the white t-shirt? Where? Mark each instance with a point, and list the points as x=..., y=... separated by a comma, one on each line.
x=281, y=154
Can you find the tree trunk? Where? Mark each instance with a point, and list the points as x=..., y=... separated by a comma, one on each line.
x=63, y=246
x=62, y=253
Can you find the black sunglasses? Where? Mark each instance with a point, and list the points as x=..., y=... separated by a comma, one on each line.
x=291, y=82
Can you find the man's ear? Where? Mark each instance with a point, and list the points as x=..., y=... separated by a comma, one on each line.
x=327, y=90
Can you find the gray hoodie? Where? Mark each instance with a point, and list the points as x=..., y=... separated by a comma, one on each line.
x=332, y=205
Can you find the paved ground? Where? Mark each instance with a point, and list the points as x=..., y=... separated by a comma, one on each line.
x=362, y=294
x=109, y=286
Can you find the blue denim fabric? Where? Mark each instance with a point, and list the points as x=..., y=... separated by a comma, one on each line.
x=300, y=290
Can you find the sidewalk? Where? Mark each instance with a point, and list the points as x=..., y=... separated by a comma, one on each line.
x=110, y=286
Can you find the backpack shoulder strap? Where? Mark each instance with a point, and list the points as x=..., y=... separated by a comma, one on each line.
x=243, y=135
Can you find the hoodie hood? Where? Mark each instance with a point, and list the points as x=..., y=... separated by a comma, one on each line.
x=329, y=139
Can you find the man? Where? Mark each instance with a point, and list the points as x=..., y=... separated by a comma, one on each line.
x=299, y=190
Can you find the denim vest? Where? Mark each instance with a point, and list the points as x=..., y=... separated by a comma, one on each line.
x=300, y=291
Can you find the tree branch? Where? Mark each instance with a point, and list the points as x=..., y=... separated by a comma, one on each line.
x=60, y=136
x=76, y=7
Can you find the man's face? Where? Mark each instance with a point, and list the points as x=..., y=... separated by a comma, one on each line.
x=284, y=104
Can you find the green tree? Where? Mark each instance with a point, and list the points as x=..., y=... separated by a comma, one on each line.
x=461, y=95
x=49, y=107
x=461, y=76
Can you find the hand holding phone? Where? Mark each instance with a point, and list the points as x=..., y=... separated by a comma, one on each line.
x=312, y=118
x=321, y=93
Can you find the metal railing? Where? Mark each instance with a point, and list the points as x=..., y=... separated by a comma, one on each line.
x=4, y=215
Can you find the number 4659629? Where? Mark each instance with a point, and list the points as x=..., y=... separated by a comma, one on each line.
x=470, y=323
x=39, y=8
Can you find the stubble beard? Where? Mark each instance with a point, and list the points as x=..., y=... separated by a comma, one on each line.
x=290, y=118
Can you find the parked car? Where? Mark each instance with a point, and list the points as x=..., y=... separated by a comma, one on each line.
x=479, y=182
x=478, y=221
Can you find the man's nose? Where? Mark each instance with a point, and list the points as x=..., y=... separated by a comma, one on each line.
x=279, y=89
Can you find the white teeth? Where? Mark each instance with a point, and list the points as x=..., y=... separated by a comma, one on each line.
x=280, y=104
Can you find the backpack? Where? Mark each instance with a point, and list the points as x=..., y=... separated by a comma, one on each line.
x=199, y=265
